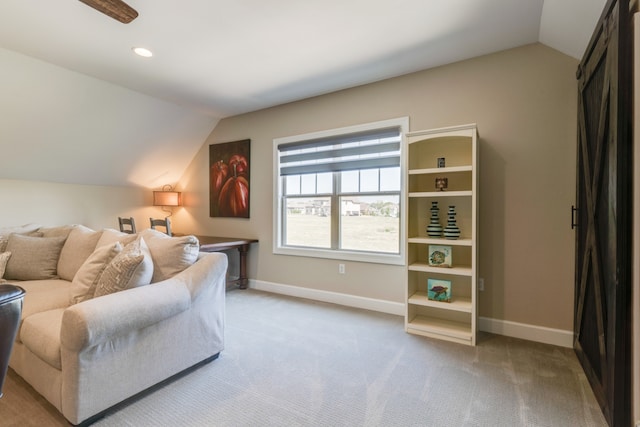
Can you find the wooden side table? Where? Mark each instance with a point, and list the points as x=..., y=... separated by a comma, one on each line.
x=219, y=244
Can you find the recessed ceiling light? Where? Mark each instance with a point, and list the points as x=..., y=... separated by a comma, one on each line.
x=146, y=53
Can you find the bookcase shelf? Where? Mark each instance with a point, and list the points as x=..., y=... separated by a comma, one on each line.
x=439, y=171
x=452, y=271
x=458, y=304
x=441, y=329
x=441, y=194
x=436, y=241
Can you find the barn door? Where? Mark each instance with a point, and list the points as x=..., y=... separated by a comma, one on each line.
x=603, y=214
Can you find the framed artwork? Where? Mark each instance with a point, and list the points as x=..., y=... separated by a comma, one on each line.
x=442, y=183
x=229, y=172
x=440, y=256
x=439, y=290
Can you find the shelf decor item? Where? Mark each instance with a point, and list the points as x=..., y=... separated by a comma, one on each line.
x=451, y=231
x=439, y=290
x=434, y=229
x=440, y=256
x=440, y=162
x=442, y=183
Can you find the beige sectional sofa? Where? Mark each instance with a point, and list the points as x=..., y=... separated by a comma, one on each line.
x=108, y=315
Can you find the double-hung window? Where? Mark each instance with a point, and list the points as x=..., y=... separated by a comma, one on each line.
x=340, y=193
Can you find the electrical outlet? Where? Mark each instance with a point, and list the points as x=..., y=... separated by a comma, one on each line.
x=341, y=269
x=480, y=284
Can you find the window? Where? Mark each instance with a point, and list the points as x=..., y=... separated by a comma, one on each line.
x=340, y=193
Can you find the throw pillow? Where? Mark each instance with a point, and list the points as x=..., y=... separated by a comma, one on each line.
x=4, y=257
x=76, y=250
x=83, y=285
x=131, y=268
x=110, y=236
x=33, y=258
x=170, y=255
x=58, y=231
x=5, y=232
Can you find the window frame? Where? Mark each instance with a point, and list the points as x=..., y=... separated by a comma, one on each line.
x=349, y=255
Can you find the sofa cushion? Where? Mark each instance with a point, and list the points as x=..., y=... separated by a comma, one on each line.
x=170, y=255
x=5, y=232
x=110, y=236
x=40, y=333
x=44, y=295
x=4, y=258
x=131, y=268
x=58, y=231
x=79, y=245
x=33, y=258
x=86, y=279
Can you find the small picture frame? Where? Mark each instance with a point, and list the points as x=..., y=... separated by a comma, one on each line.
x=439, y=290
x=442, y=183
x=440, y=256
x=440, y=162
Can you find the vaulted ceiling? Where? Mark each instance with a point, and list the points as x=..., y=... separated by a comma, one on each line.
x=79, y=105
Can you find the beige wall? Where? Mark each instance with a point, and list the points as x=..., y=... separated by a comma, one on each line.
x=524, y=102
x=51, y=204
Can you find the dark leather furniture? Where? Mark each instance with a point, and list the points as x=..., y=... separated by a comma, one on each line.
x=11, y=297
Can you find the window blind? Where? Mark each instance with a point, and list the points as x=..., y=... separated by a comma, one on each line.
x=379, y=148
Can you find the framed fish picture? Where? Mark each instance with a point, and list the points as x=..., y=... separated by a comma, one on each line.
x=440, y=256
x=439, y=290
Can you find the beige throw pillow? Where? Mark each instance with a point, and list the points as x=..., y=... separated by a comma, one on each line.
x=33, y=258
x=170, y=255
x=57, y=231
x=4, y=257
x=131, y=268
x=84, y=283
x=110, y=236
x=5, y=232
x=79, y=246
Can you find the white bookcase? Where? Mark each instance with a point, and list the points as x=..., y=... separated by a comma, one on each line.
x=455, y=320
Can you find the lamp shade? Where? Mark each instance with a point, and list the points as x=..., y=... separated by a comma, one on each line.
x=167, y=198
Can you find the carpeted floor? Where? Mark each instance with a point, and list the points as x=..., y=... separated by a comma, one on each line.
x=292, y=362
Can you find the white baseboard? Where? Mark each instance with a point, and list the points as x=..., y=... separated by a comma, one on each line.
x=525, y=331
x=382, y=306
x=541, y=334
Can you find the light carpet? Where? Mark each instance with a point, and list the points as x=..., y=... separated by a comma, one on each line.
x=294, y=362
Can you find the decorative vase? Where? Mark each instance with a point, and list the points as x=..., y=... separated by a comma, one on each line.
x=434, y=229
x=451, y=231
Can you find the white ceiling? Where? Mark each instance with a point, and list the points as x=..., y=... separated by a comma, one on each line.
x=225, y=57
x=217, y=58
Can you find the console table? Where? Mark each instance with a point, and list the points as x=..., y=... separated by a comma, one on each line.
x=219, y=244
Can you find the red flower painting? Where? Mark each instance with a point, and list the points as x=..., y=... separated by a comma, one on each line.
x=229, y=179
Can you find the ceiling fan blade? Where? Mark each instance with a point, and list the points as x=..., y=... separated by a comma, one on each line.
x=117, y=9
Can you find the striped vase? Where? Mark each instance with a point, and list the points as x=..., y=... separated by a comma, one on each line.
x=451, y=231
x=434, y=229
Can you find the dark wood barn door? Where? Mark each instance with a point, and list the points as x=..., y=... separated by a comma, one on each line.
x=603, y=215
